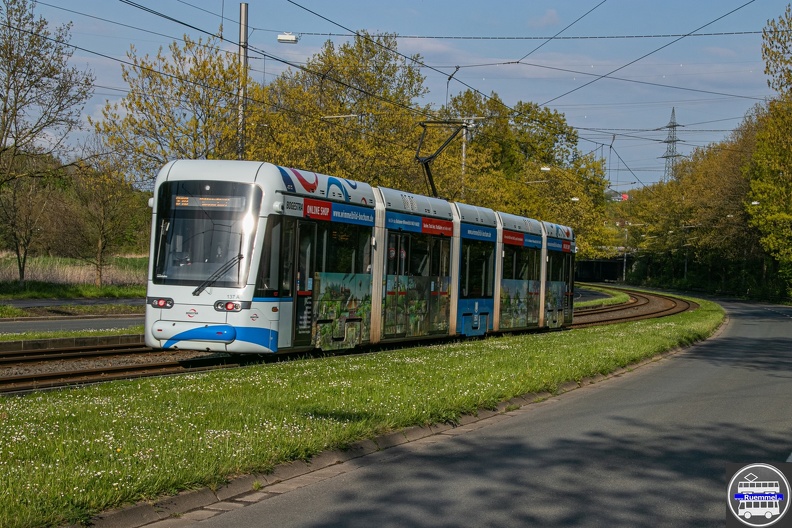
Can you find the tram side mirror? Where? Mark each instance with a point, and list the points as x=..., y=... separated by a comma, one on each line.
x=151, y=203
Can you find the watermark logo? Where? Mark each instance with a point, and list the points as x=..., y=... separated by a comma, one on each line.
x=758, y=495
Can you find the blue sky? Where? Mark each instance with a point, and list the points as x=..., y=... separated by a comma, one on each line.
x=711, y=80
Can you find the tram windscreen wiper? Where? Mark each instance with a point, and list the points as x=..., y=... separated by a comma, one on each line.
x=214, y=277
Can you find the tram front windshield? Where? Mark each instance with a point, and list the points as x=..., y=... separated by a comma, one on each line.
x=204, y=233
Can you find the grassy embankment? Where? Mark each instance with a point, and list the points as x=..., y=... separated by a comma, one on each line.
x=59, y=278
x=75, y=277
x=68, y=454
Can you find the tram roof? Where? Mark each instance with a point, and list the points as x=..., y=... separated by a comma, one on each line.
x=520, y=223
x=559, y=231
x=190, y=169
x=416, y=204
x=472, y=214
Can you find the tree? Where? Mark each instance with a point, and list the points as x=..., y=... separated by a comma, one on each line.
x=777, y=52
x=351, y=111
x=98, y=215
x=504, y=161
x=696, y=228
x=770, y=173
x=41, y=96
x=181, y=105
x=771, y=167
x=23, y=209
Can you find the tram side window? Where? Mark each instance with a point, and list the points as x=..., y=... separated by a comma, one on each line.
x=510, y=262
x=267, y=279
x=520, y=263
x=530, y=265
x=555, y=268
x=419, y=256
x=344, y=248
x=477, y=270
x=440, y=258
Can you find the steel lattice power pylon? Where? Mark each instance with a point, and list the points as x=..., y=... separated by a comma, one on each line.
x=671, y=151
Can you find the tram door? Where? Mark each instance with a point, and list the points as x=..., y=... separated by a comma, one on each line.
x=303, y=283
x=395, y=303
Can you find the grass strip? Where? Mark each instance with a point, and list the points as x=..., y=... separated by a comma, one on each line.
x=69, y=454
x=71, y=310
x=49, y=290
x=615, y=296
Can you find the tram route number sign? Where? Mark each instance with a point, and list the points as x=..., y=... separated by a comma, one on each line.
x=234, y=203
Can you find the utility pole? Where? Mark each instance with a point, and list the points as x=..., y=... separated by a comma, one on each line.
x=243, y=68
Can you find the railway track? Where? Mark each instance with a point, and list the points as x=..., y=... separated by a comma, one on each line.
x=149, y=363
x=642, y=305
x=52, y=354
x=29, y=370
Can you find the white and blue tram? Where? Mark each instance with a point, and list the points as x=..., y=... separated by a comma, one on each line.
x=250, y=257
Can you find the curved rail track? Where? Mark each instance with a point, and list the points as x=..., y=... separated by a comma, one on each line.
x=642, y=305
x=29, y=370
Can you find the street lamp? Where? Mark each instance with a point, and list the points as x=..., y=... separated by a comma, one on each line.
x=288, y=38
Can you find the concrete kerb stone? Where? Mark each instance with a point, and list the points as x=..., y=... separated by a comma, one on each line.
x=200, y=515
x=390, y=440
x=440, y=428
x=536, y=397
x=288, y=471
x=238, y=486
x=137, y=515
x=255, y=496
x=225, y=506
x=359, y=449
x=184, y=502
x=328, y=458
x=466, y=419
x=483, y=414
x=568, y=386
x=416, y=433
x=592, y=379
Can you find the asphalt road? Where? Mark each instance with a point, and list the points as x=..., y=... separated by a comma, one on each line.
x=648, y=448
x=70, y=323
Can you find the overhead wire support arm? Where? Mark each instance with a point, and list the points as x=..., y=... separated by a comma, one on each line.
x=425, y=161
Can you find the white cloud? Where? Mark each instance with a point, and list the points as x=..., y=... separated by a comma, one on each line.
x=550, y=18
